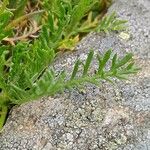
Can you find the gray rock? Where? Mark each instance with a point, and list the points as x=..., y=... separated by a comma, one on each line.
x=97, y=118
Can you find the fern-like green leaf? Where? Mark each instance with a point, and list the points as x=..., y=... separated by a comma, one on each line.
x=111, y=23
x=26, y=71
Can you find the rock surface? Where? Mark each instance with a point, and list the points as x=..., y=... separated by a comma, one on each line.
x=105, y=118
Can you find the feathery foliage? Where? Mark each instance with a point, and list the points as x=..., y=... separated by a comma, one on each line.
x=68, y=18
x=49, y=83
x=111, y=23
x=26, y=71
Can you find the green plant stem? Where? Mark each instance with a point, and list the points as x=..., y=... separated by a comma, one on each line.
x=75, y=82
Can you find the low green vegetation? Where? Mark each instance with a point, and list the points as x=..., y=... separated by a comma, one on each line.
x=28, y=52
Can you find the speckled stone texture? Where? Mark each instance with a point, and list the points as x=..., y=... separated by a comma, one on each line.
x=109, y=117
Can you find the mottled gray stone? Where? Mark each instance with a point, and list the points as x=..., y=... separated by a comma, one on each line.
x=109, y=117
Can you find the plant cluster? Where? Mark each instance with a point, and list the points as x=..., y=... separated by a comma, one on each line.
x=26, y=71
